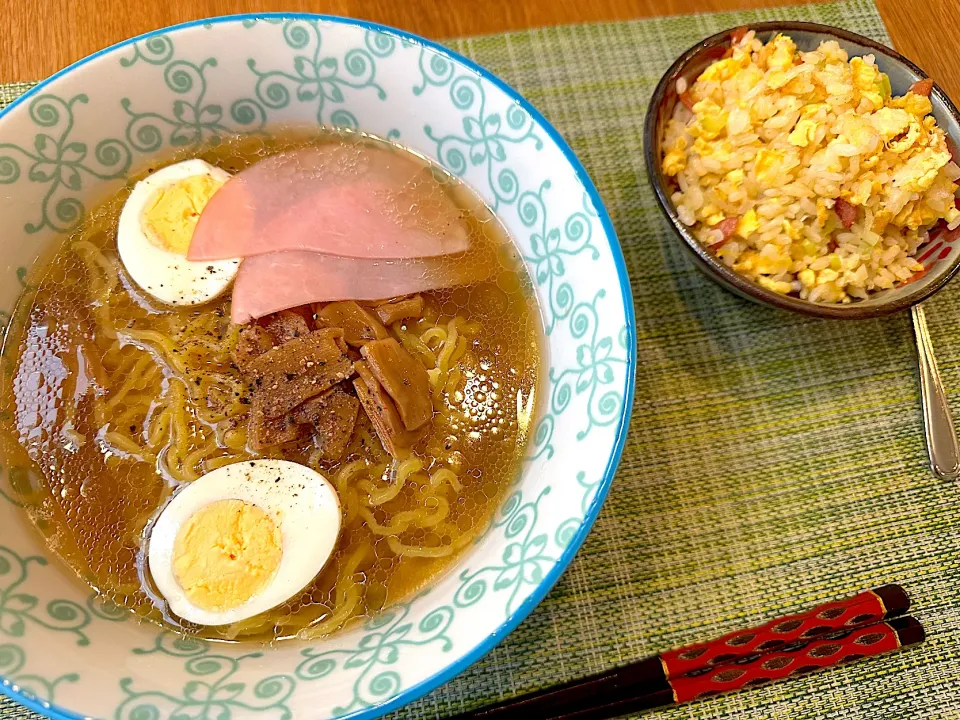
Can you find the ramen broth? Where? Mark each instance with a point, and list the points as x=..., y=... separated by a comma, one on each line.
x=110, y=400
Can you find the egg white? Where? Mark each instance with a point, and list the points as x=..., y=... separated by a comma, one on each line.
x=165, y=275
x=301, y=502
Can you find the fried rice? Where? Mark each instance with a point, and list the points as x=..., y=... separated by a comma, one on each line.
x=801, y=171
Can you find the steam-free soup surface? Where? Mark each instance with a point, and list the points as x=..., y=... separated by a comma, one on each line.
x=111, y=400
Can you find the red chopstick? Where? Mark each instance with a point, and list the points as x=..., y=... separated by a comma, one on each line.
x=855, y=645
x=830, y=634
x=866, y=608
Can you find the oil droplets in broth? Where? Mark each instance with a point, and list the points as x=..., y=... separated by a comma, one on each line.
x=110, y=399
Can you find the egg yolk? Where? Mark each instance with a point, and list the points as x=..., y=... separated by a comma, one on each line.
x=225, y=554
x=171, y=215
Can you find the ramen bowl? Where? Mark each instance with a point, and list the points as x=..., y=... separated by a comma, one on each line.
x=78, y=136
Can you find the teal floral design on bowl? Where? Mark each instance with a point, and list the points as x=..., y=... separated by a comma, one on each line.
x=191, y=120
x=594, y=375
x=552, y=246
x=212, y=690
x=12, y=660
x=484, y=138
x=435, y=69
x=318, y=78
x=23, y=611
x=58, y=161
x=524, y=561
x=75, y=139
x=18, y=609
x=375, y=658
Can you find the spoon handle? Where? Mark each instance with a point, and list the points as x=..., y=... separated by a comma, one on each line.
x=937, y=420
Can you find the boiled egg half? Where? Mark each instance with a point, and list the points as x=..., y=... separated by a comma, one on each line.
x=155, y=230
x=243, y=539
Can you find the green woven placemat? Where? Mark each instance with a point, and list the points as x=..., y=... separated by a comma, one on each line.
x=774, y=461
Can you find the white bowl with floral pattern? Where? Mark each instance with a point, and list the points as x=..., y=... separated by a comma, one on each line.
x=75, y=137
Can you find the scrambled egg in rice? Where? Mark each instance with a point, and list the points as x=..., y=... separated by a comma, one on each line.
x=802, y=171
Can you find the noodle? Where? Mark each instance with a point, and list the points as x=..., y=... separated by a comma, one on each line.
x=121, y=443
x=102, y=285
x=447, y=476
x=134, y=378
x=93, y=257
x=414, y=345
x=218, y=462
x=402, y=520
x=449, y=346
x=158, y=430
x=157, y=343
x=348, y=495
x=347, y=597
x=418, y=550
x=378, y=496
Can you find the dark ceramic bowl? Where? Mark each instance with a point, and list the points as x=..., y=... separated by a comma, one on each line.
x=941, y=264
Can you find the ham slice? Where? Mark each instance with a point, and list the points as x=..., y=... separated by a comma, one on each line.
x=277, y=281
x=728, y=226
x=922, y=87
x=349, y=200
x=846, y=212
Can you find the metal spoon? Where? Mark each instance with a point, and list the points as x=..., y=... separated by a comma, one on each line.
x=937, y=421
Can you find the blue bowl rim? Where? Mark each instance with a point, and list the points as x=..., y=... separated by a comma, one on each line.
x=706, y=260
x=51, y=710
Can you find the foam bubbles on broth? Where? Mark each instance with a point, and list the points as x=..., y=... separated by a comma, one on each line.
x=108, y=400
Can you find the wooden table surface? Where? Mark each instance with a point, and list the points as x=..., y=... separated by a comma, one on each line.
x=41, y=36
